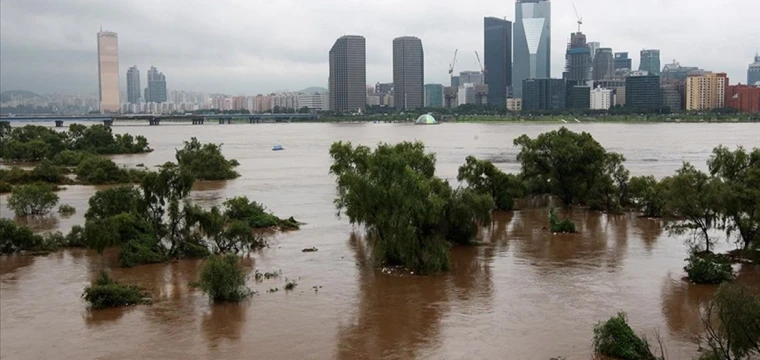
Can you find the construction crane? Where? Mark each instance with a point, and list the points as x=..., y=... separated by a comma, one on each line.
x=482, y=69
x=580, y=19
x=451, y=66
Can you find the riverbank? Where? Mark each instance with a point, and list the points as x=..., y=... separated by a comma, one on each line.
x=673, y=118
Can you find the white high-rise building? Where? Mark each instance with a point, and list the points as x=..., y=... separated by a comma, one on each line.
x=601, y=99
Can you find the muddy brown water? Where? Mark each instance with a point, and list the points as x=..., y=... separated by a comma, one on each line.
x=525, y=295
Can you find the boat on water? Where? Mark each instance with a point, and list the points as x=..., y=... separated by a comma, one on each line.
x=278, y=147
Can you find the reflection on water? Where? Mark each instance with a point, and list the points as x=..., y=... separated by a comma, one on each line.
x=524, y=294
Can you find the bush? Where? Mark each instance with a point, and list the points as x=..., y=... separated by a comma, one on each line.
x=66, y=209
x=222, y=278
x=564, y=226
x=732, y=324
x=5, y=187
x=114, y=201
x=709, y=268
x=614, y=338
x=105, y=292
x=242, y=209
x=75, y=237
x=14, y=238
x=71, y=158
x=139, y=252
x=98, y=171
x=34, y=199
x=205, y=162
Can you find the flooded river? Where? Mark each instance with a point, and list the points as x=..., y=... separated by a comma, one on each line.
x=526, y=295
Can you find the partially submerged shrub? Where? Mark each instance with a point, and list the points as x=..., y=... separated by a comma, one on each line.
x=290, y=285
x=564, y=226
x=708, y=268
x=75, y=237
x=223, y=279
x=732, y=324
x=614, y=338
x=34, y=199
x=66, y=209
x=14, y=238
x=139, y=252
x=105, y=292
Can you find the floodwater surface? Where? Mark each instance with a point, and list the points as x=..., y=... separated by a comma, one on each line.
x=526, y=294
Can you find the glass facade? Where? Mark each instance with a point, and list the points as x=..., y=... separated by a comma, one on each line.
x=650, y=61
x=408, y=73
x=532, y=42
x=108, y=72
x=348, y=74
x=643, y=92
x=544, y=94
x=133, y=85
x=434, y=95
x=497, y=59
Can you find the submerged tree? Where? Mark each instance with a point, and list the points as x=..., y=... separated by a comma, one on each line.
x=568, y=164
x=484, y=177
x=393, y=192
x=34, y=199
x=732, y=324
x=692, y=196
x=738, y=172
x=205, y=162
x=223, y=279
x=648, y=195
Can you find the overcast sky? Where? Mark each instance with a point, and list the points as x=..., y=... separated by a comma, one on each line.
x=257, y=46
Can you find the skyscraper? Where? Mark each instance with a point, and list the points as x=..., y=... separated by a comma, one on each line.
x=497, y=56
x=753, y=72
x=650, y=61
x=544, y=94
x=622, y=61
x=604, y=64
x=133, y=85
x=156, y=86
x=532, y=42
x=348, y=74
x=108, y=72
x=706, y=92
x=577, y=59
x=434, y=95
x=643, y=92
x=408, y=73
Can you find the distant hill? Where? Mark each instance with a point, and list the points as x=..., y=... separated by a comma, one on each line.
x=9, y=95
x=313, y=89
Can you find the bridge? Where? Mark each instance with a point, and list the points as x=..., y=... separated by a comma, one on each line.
x=154, y=120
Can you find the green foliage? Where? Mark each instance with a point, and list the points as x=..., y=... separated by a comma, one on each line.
x=568, y=165
x=140, y=251
x=45, y=172
x=738, y=173
x=649, y=195
x=482, y=176
x=95, y=170
x=407, y=211
x=290, y=285
x=732, y=324
x=75, y=238
x=99, y=139
x=255, y=214
x=5, y=187
x=616, y=339
x=692, y=195
x=34, y=199
x=66, y=209
x=114, y=201
x=71, y=158
x=708, y=268
x=223, y=279
x=205, y=162
x=14, y=238
x=105, y=292
x=564, y=226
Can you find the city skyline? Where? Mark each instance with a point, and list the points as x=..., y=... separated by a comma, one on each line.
x=205, y=56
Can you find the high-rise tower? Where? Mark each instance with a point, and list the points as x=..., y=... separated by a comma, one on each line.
x=753, y=72
x=497, y=55
x=604, y=64
x=108, y=72
x=133, y=85
x=408, y=73
x=577, y=59
x=532, y=42
x=650, y=61
x=156, y=86
x=348, y=74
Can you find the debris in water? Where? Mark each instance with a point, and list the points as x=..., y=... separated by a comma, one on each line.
x=311, y=249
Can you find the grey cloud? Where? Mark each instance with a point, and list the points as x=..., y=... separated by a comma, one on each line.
x=256, y=46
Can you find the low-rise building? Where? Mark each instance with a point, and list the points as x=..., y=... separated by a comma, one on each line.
x=601, y=99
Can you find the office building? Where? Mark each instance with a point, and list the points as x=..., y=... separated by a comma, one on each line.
x=650, y=61
x=348, y=74
x=133, y=85
x=622, y=61
x=577, y=59
x=514, y=104
x=470, y=77
x=408, y=73
x=672, y=94
x=643, y=92
x=593, y=46
x=604, y=64
x=706, y=92
x=108, y=72
x=497, y=60
x=433, y=95
x=156, y=90
x=753, y=72
x=532, y=42
x=674, y=71
x=743, y=98
x=600, y=99
x=543, y=94
x=578, y=97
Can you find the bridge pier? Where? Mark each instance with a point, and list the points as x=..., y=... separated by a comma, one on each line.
x=154, y=121
x=197, y=121
x=107, y=123
x=59, y=123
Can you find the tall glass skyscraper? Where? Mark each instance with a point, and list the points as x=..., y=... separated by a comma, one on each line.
x=753, y=72
x=532, y=42
x=498, y=59
x=348, y=74
x=408, y=73
x=108, y=72
x=650, y=61
x=133, y=85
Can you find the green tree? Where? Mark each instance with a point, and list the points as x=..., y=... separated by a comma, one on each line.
x=33, y=199
x=114, y=201
x=739, y=201
x=616, y=339
x=732, y=324
x=223, y=279
x=482, y=176
x=563, y=163
x=649, y=195
x=105, y=292
x=692, y=196
x=205, y=162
